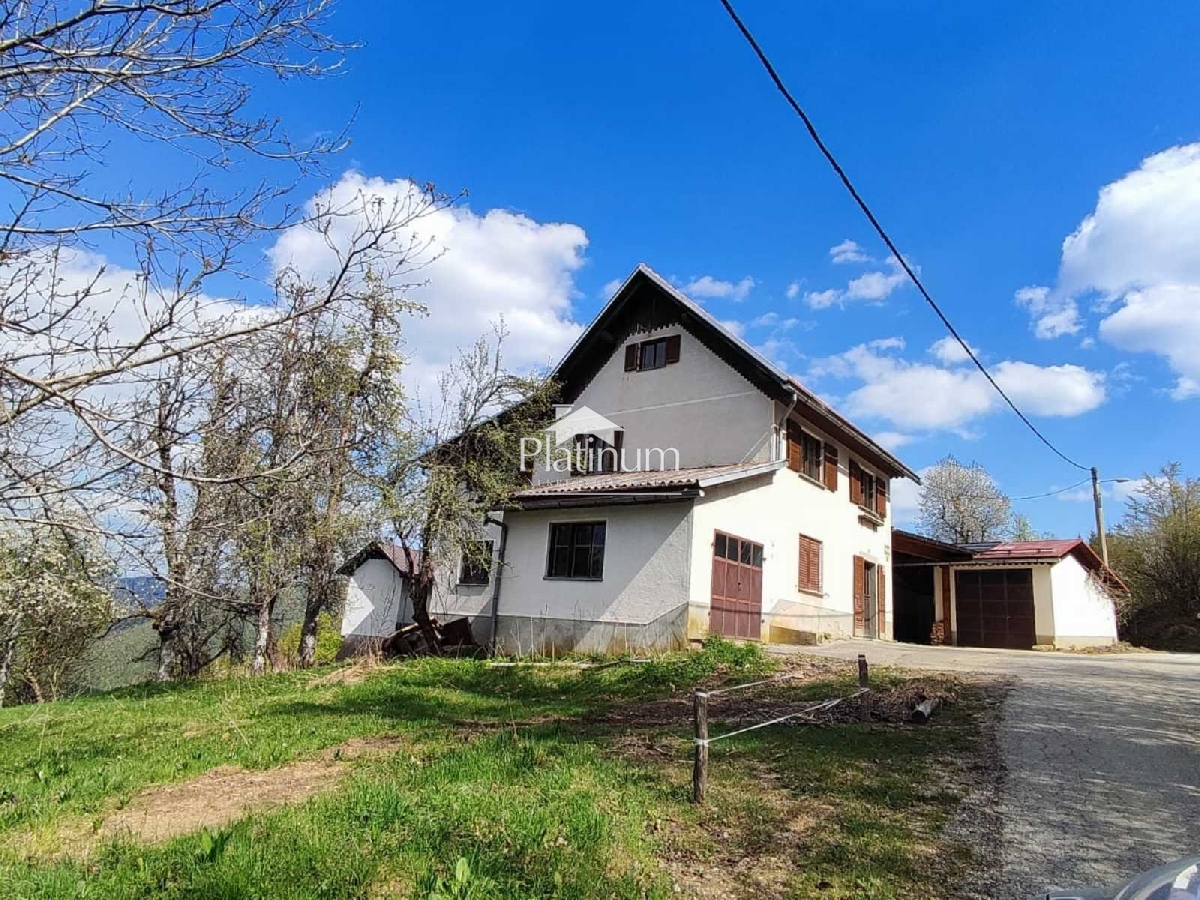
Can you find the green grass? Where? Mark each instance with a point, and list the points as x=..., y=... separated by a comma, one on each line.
x=505, y=785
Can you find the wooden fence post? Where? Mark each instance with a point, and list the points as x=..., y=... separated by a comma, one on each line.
x=700, y=768
x=862, y=670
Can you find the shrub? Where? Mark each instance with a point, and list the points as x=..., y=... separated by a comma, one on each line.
x=329, y=640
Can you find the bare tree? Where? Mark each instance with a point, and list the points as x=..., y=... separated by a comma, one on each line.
x=82, y=334
x=962, y=504
x=460, y=460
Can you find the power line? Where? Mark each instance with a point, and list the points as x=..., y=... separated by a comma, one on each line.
x=862, y=204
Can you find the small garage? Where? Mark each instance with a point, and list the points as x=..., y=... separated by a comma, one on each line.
x=1012, y=595
x=994, y=608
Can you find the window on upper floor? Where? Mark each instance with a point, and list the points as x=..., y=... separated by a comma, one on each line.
x=652, y=354
x=807, y=455
x=594, y=455
x=868, y=490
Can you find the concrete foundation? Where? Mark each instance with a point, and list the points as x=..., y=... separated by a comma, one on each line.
x=526, y=635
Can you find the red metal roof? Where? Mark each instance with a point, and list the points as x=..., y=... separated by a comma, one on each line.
x=1055, y=549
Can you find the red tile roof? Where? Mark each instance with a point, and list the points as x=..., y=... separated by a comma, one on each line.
x=393, y=553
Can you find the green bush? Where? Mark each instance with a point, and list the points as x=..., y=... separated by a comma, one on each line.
x=329, y=640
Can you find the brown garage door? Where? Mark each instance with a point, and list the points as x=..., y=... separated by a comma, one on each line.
x=736, y=587
x=995, y=608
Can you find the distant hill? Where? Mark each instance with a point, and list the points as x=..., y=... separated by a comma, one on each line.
x=140, y=590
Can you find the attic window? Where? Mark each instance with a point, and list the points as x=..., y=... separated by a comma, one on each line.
x=653, y=354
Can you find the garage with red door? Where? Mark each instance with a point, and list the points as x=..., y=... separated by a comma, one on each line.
x=994, y=608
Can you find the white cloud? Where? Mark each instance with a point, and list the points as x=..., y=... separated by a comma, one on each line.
x=1066, y=390
x=611, y=287
x=709, y=287
x=492, y=265
x=918, y=396
x=950, y=352
x=848, y=252
x=887, y=343
x=1164, y=319
x=876, y=285
x=1053, y=313
x=872, y=287
x=1138, y=256
x=822, y=299
x=793, y=290
x=893, y=440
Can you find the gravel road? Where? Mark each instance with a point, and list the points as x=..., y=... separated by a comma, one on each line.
x=1100, y=757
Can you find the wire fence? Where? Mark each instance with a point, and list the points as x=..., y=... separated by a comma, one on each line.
x=703, y=739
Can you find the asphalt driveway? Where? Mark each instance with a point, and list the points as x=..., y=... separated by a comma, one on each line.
x=1101, y=759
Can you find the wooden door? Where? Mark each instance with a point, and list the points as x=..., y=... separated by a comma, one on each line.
x=995, y=608
x=736, y=610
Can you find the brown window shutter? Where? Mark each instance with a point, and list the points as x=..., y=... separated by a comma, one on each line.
x=881, y=497
x=882, y=627
x=631, y=357
x=793, y=446
x=860, y=591
x=810, y=564
x=831, y=463
x=802, y=568
x=673, y=343
x=856, y=494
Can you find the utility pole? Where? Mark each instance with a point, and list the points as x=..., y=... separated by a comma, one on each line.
x=1099, y=515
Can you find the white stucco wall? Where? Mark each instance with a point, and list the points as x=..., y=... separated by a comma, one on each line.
x=376, y=599
x=700, y=406
x=774, y=511
x=452, y=600
x=645, y=565
x=1084, y=614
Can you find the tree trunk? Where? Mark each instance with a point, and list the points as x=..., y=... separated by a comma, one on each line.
x=6, y=661
x=308, y=642
x=262, y=636
x=419, y=591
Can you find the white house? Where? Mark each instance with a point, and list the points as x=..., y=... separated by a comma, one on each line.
x=1016, y=594
x=754, y=511
x=376, y=595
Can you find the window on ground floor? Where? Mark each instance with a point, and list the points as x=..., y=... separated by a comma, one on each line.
x=810, y=563
x=576, y=551
x=476, y=564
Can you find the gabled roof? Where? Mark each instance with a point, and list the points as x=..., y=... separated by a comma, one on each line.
x=393, y=553
x=983, y=552
x=648, y=297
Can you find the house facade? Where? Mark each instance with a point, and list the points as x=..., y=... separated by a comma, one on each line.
x=1013, y=595
x=725, y=498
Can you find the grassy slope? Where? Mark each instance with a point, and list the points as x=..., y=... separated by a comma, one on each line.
x=558, y=808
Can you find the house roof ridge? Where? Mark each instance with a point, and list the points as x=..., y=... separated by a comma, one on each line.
x=785, y=379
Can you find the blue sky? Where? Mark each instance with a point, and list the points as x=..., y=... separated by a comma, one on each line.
x=595, y=136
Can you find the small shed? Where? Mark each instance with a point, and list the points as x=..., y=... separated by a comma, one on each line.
x=1012, y=594
x=377, y=596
